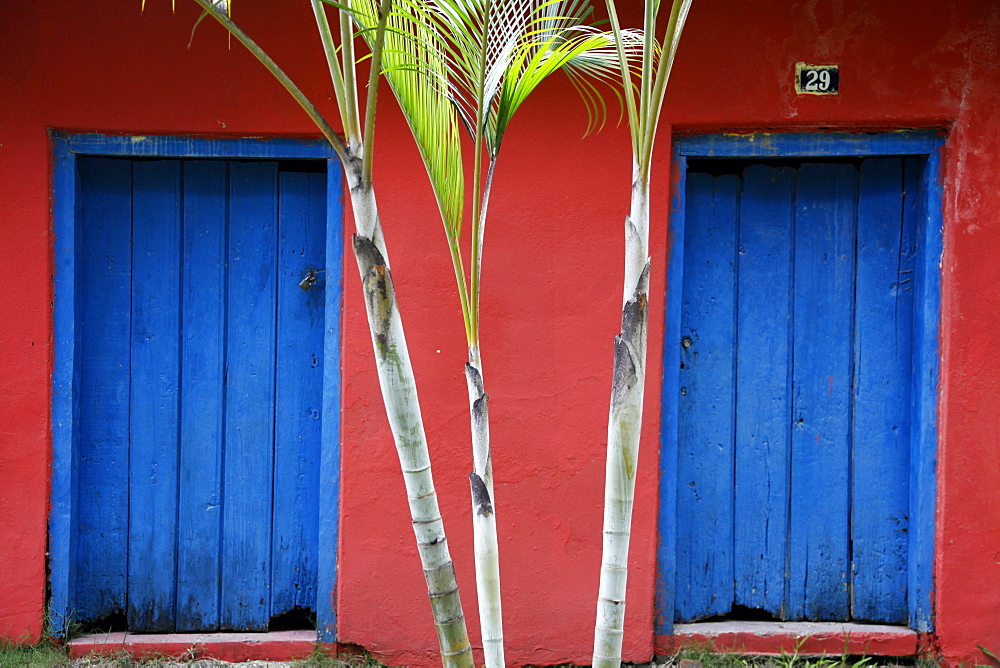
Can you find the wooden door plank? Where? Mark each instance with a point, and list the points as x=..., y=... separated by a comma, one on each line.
x=822, y=357
x=154, y=397
x=249, y=420
x=105, y=231
x=924, y=184
x=762, y=388
x=705, y=413
x=881, y=430
x=299, y=391
x=202, y=365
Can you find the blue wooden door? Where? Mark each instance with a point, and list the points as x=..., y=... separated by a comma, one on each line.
x=794, y=411
x=200, y=383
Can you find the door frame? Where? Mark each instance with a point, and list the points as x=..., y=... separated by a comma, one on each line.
x=927, y=310
x=66, y=148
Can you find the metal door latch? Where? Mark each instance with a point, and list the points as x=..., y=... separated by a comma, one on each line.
x=309, y=280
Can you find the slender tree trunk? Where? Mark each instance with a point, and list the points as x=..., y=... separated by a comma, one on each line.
x=484, y=521
x=399, y=392
x=624, y=426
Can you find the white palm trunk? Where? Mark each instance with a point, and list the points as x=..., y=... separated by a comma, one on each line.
x=484, y=521
x=625, y=417
x=624, y=426
x=399, y=393
x=395, y=373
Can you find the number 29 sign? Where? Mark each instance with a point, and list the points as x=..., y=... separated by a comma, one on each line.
x=817, y=79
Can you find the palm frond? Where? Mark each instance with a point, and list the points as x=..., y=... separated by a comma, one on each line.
x=585, y=54
x=481, y=35
x=414, y=64
x=557, y=38
x=470, y=64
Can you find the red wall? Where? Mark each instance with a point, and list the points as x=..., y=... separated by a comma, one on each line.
x=550, y=294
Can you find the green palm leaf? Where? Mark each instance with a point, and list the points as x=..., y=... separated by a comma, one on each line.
x=558, y=40
x=415, y=66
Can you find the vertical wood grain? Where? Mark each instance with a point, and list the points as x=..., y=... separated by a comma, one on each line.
x=923, y=204
x=154, y=399
x=328, y=493
x=174, y=520
x=105, y=229
x=705, y=420
x=202, y=367
x=881, y=429
x=822, y=359
x=298, y=391
x=249, y=421
x=886, y=572
x=762, y=388
x=67, y=207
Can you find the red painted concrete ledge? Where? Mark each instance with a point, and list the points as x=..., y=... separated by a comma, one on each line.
x=276, y=646
x=766, y=638
x=785, y=638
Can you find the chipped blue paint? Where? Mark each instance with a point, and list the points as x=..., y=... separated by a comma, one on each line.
x=66, y=599
x=916, y=580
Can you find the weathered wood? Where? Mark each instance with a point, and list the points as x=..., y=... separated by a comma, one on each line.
x=249, y=422
x=821, y=380
x=666, y=521
x=67, y=262
x=203, y=293
x=152, y=349
x=764, y=290
x=785, y=145
x=328, y=495
x=705, y=423
x=879, y=475
x=155, y=395
x=881, y=428
x=298, y=391
x=105, y=281
x=272, y=148
x=924, y=181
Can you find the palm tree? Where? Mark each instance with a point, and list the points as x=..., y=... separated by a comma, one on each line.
x=451, y=64
x=399, y=392
x=474, y=62
x=625, y=415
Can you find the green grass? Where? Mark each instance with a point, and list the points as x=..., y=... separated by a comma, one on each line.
x=45, y=653
x=708, y=659
x=319, y=659
x=48, y=654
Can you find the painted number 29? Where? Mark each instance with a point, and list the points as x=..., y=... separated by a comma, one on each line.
x=817, y=80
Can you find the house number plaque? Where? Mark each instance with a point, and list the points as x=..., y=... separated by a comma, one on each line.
x=817, y=79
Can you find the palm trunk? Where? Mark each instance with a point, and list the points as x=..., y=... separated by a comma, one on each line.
x=399, y=393
x=399, y=389
x=484, y=521
x=624, y=426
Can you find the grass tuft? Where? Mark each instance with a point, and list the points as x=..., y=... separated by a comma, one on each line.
x=697, y=657
x=17, y=655
x=321, y=659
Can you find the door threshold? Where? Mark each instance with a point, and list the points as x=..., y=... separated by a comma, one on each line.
x=792, y=638
x=232, y=647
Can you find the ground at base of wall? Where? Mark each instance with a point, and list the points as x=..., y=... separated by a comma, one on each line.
x=201, y=663
x=719, y=662
x=52, y=657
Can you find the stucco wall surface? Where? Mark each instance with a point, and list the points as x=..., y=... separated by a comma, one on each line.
x=550, y=294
